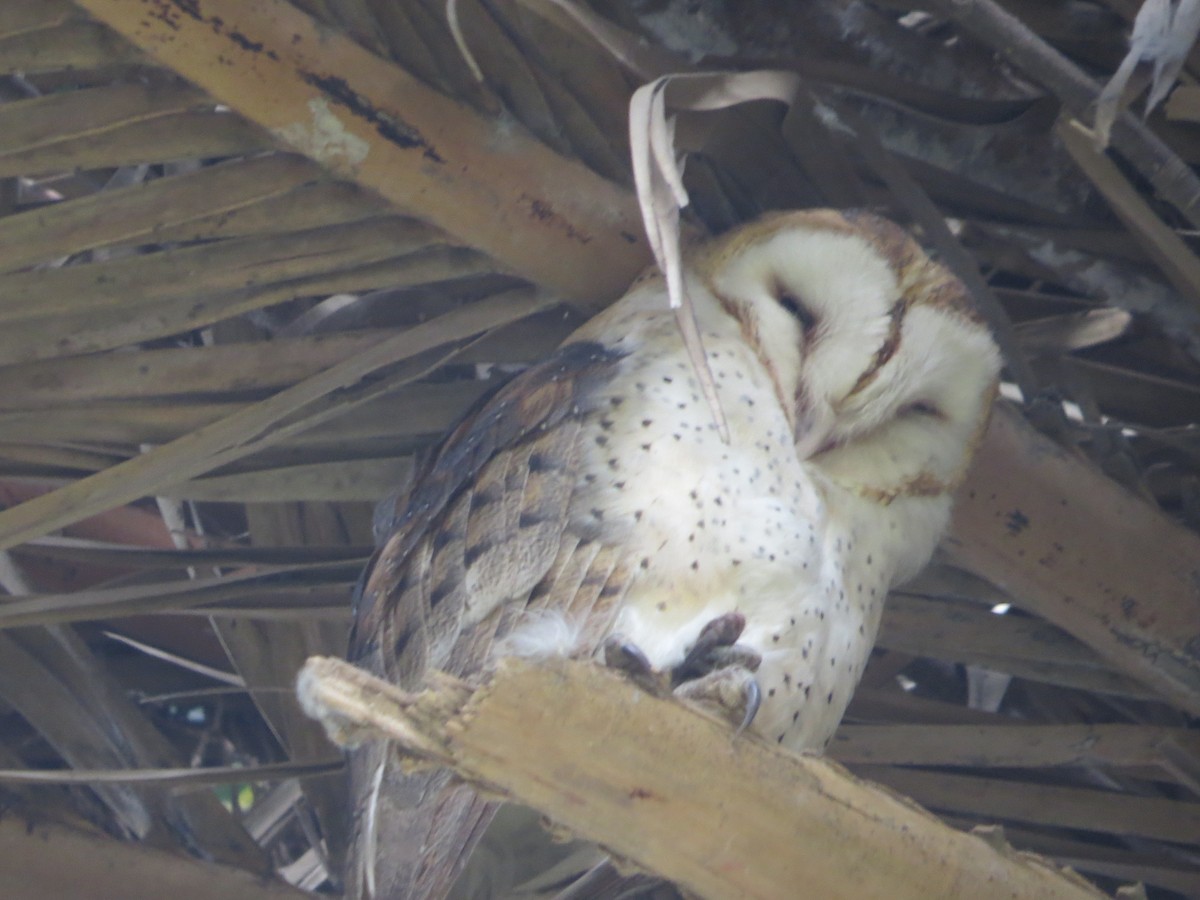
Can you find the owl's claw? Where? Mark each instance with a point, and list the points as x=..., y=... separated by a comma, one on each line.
x=731, y=693
x=622, y=654
x=753, y=700
x=716, y=648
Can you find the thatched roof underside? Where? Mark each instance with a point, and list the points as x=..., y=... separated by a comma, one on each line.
x=253, y=256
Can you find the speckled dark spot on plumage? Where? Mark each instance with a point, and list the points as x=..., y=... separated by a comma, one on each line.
x=443, y=538
x=612, y=589
x=441, y=591
x=472, y=553
x=485, y=497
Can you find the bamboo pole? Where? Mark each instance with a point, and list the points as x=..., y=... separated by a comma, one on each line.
x=668, y=788
x=487, y=183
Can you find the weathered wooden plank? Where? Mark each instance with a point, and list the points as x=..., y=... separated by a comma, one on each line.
x=893, y=705
x=1009, y=746
x=1108, y=812
x=1019, y=645
x=32, y=855
x=1077, y=549
x=671, y=791
x=541, y=215
x=1163, y=868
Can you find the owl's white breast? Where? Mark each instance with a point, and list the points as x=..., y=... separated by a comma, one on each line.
x=719, y=527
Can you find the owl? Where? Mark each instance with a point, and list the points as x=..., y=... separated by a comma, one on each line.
x=593, y=502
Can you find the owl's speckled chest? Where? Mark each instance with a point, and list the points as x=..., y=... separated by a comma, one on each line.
x=713, y=527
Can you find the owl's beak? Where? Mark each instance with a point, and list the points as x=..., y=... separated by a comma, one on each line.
x=814, y=429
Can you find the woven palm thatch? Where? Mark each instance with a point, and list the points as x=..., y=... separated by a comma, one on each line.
x=254, y=256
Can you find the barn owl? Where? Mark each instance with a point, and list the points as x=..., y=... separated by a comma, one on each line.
x=594, y=496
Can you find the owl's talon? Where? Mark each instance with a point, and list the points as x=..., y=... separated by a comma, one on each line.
x=716, y=648
x=622, y=654
x=731, y=693
x=753, y=699
x=723, y=631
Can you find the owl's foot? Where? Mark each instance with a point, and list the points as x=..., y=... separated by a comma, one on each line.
x=731, y=693
x=716, y=648
x=622, y=654
x=718, y=673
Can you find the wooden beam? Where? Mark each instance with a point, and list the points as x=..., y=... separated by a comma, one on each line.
x=1074, y=547
x=1163, y=868
x=1023, y=646
x=665, y=786
x=57, y=862
x=315, y=90
x=1012, y=746
x=1106, y=812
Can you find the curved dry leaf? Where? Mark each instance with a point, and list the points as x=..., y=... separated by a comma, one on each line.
x=658, y=177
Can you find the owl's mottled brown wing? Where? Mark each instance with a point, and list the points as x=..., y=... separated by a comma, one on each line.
x=482, y=537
